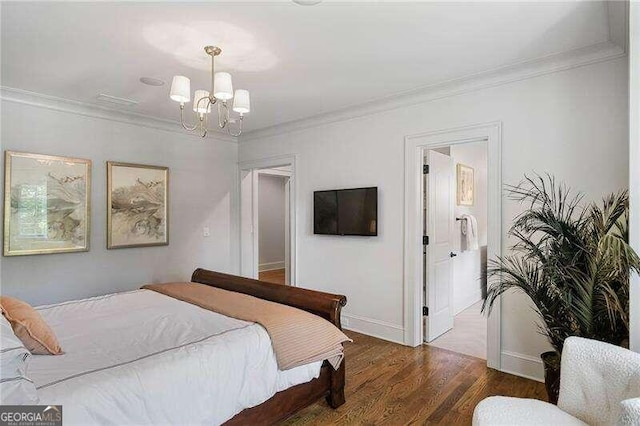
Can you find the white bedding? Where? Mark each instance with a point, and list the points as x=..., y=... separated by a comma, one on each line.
x=144, y=358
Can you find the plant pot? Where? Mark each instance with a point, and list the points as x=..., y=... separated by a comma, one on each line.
x=551, y=362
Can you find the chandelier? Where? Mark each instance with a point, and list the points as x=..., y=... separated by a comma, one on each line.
x=221, y=94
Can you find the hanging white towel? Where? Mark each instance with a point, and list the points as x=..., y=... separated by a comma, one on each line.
x=470, y=231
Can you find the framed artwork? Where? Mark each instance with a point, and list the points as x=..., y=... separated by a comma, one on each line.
x=465, y=185
x=137, y=205
x=47, y=204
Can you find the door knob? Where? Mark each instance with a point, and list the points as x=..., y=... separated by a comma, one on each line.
x=452, y=254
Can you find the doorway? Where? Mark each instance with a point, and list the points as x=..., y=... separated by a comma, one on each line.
x=267, y=220
x=455, y=257
x=416, y=147
x=273, y=224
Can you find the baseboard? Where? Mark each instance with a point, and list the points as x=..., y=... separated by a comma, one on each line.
x=375, y=328
x=270, y=266
x=522, y=365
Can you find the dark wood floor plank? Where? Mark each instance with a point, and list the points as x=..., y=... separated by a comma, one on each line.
x=391, y=384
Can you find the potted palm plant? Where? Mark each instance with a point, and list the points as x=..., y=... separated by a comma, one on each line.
x=573, y=261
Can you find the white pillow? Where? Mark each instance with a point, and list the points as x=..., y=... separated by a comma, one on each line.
x=15, y=386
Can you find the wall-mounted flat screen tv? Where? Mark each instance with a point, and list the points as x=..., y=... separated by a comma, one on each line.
x=346, y=212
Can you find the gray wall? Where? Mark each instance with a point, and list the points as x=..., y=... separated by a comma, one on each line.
x=271, y=218
x=201, y=178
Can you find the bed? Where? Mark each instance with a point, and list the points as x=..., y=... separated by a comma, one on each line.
x=140, y=357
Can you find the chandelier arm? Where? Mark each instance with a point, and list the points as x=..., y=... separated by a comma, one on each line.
x=204, y=126
x=184, y=125
x=206, y=107
x=225, y=116
x=235, y=135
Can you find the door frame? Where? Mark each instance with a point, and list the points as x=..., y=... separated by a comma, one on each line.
x=415, y=146
x=253, y=167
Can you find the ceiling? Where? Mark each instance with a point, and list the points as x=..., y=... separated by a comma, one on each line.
x=297, y=61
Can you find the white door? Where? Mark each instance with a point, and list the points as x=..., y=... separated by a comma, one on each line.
x=440, y=187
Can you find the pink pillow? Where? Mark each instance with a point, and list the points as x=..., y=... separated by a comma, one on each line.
x=29, y=326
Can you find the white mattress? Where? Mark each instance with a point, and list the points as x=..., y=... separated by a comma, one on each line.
x=144, y=358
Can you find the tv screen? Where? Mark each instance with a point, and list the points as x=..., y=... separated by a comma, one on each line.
x=346, y=212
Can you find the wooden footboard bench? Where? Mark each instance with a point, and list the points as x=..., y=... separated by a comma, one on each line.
x=330, y=383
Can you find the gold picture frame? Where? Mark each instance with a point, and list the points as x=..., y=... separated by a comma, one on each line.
x=47, y=204
x=465, y=185
x=137, y=205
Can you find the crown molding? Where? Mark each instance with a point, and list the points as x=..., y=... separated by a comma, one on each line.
x=596, y=53
x=10, y=94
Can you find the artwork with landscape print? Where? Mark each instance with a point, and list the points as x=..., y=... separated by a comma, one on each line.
x=137, y=214
x=464, y=179
x=46, y=204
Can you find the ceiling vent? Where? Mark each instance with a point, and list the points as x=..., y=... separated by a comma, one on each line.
x=150, y=81
x=115, y=100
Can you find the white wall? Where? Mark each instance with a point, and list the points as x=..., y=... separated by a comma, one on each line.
x=467, y=266
x=271, y=221
x=571, y=123
x=202, y=193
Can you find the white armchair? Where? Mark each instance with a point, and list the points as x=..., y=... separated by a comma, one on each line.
x=599, y=385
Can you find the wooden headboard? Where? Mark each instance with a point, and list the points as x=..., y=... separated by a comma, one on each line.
x=326, y=305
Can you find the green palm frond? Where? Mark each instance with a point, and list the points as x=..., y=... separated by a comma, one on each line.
x=572, y=260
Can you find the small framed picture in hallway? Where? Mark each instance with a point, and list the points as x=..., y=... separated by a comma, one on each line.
x=465, y=187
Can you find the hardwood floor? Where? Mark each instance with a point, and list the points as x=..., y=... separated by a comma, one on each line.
x=276, y=276
x=392, y=384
